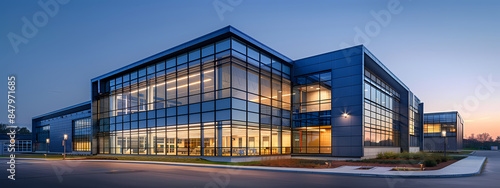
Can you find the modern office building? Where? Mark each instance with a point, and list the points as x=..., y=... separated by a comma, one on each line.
x=434, y=125
x=23, y=144
x=73, y=121
x=226, y=94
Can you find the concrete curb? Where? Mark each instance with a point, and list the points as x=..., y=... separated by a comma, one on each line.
x=284, y=169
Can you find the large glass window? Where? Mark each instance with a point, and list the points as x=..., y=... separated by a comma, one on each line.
x=82, y=134
x=311, y=96
x=381, y=113
x=434, y=124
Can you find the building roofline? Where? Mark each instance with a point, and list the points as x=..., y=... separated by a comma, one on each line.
x=445, y=112
x=357, y=46
x=367, y=52
x=63, y=109
x=259, y=44
x=225, y=30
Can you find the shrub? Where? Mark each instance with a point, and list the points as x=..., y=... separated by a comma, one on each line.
x=405, y=155
x=430, y=163
x=380, y=156
x=444, y=159
x=419, y=156
x=439, y=158
x=387, y=155
x=390, y=155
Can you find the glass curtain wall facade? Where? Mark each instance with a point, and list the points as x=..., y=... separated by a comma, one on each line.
x=414, y=126
x=435, y=123
x=82, y=134
x=381, y=119
x=312, y=123
x=224, y=99
x=21, y=146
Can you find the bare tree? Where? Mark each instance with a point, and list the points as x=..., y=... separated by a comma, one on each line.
x=471, y=137
x=484, y=137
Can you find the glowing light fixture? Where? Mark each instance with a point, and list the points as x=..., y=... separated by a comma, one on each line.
x=171, y=81
x=345, y=115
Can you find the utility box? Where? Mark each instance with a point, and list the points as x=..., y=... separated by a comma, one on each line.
x=494, y=148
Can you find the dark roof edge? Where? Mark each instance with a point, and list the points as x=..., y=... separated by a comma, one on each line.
x=445, y=112
x=259, y=44
x=367, y=52
x=219, y=32
x=357, y=46
x=63, y=109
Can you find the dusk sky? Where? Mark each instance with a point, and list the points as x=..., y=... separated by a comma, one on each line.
x=444, y=51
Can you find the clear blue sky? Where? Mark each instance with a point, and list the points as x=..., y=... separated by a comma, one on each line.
x=438, y=48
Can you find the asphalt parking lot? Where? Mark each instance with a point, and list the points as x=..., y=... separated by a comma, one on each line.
x=71, y=173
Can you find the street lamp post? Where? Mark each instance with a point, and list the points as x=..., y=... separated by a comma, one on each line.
x=64, y=144
x=47, y=141
x=443, y=134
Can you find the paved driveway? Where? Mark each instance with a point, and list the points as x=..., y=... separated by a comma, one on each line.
x=34, y=173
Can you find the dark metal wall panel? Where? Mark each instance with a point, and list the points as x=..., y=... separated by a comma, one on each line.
x=347, y=97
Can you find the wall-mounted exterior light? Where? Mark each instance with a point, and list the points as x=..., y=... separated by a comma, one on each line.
x=345, y=115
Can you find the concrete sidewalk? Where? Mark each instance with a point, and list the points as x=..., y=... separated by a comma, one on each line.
x=469, y=166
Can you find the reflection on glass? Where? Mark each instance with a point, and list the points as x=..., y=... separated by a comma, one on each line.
x=204, y=102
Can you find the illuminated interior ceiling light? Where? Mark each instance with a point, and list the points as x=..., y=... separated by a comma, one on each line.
x=185, y=85
x=271, y=97
x=171, y=81
x=317, y=88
